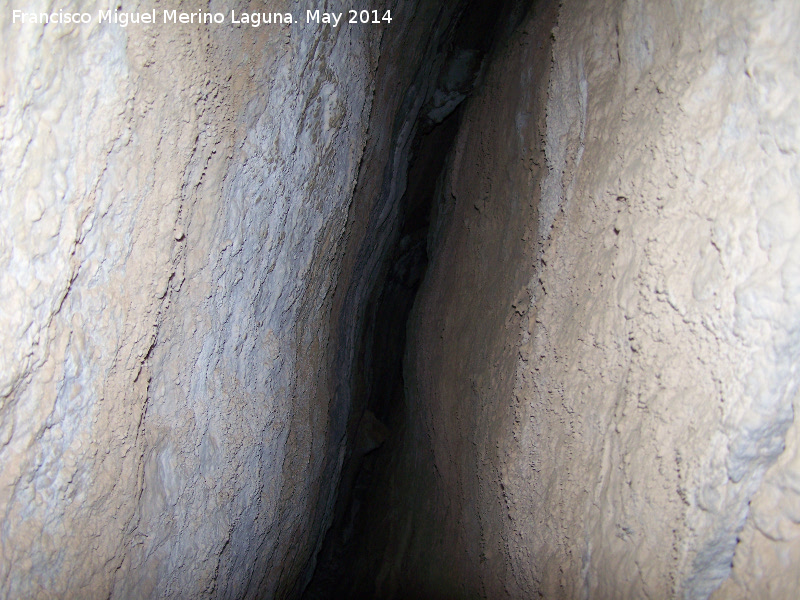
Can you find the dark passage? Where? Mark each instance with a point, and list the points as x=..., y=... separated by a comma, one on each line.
x=379, y=385
x=345, y=566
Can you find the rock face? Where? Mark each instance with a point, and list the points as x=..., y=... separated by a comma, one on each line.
x=203, y=229
x=601, y=365
x=170, y=199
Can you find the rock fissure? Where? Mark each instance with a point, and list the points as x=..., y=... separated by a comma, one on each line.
x=491, y=300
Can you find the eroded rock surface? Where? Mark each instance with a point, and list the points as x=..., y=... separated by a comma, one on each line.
x=210, y=237
x=601, y=364
x=170, y=199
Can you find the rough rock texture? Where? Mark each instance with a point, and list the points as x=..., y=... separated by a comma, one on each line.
x=657, y=368
x=401, y=88
x=169, y=197
x=602, y=359
x=393, y=196
x=600, y=366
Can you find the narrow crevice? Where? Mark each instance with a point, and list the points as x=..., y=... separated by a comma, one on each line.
x=379, y=371
x=377, y=399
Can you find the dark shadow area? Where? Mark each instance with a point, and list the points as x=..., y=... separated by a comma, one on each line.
x=380, y=363
x=378, y=399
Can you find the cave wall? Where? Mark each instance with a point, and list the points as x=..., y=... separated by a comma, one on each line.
x=602, y=361
x=672, y=265
x=174, y=200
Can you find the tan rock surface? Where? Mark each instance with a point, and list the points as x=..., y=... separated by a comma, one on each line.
x=601, y=366
x=600, y=429
x=164, y=190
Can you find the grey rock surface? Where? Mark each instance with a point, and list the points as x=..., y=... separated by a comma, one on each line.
x=166, y=192
x=601, y=365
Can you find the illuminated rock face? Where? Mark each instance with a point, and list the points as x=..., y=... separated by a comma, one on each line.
x=173, y=202
x=600, y=390
x=207, y=234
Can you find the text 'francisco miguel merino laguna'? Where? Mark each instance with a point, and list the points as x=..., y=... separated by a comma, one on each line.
x=254, y=19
